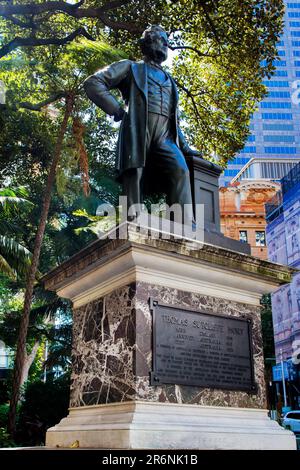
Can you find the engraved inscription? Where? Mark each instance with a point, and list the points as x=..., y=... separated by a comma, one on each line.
x=201, y=349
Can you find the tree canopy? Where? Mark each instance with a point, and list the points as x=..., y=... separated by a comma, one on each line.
x=224, y=49
x=231, y=47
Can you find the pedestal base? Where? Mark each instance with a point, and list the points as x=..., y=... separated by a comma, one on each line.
x=113, y=405
x=144, y=425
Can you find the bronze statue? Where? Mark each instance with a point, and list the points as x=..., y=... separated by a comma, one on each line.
x=151, y=146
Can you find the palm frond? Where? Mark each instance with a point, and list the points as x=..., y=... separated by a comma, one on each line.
x=16, y=255
x=9, y=227
x=19, y=191
x=97, y=54
x=13, y=200
x=5, y=268
x=10, y=204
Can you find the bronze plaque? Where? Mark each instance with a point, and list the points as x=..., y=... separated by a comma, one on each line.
x=200, y=349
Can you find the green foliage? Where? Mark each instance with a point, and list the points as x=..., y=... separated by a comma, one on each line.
x=89, y=56
x=14, y=257
x=37, y=367
x=6, y=293
x=46, y=309
x=120, y=17
x=98, y=224
x=46, y=77
x=26, y=145
x=5, y=439
x=28, y=139
x=3, y=415
x=4, y=396
x=45, y=404
x=230, y=48
x=234, y=44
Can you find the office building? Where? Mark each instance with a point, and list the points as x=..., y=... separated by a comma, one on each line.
x=283, y=242
x=275, y=127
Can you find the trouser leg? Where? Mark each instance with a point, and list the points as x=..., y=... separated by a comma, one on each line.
x=179, y=192
x=132, y=182
x=169, y=163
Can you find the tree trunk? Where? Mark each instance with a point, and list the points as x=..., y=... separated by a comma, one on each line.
x=21, y=344
x=29, y=358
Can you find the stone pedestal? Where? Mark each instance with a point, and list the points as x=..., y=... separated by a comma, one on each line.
x=112, y=403
x=154, y=425
x=205, y=190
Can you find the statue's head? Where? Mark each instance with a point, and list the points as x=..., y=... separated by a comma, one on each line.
x=154, y=44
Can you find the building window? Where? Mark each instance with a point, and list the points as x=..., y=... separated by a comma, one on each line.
x=276, y=63
x=231, y=172
x=283, y=73
x=294, y=24
x=279, y=63
x=277, y=116
x=282, y=150
x=276, y=83
x=260, y=238
x=243, y=236
x=272, y=104
x=278, y=127
x=241, y=161
x=248, y=149
x=279, y=138
x=279, y=94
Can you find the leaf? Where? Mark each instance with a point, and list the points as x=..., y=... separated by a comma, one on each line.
x=16, y=255
x=5, y=268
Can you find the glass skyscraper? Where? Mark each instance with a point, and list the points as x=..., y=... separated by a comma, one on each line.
x=275, y=127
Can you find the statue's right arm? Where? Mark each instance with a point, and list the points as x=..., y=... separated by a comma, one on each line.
x=98, y=86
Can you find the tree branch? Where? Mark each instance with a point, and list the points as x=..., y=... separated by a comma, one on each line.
x=32, y=41
x=74, y=11
x=59, y=5
x=210, y=21
x=16, y=21
x=192, y=98
x=116, y=25
x=201, y=54
x=114, y=4
x=38, y=106
x=38, y=8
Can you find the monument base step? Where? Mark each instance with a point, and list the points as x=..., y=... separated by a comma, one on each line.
x=147, y=425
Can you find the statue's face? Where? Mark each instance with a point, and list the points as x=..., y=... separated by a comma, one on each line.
x=157, y=47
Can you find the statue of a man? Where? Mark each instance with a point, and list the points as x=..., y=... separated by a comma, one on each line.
x=151, y=146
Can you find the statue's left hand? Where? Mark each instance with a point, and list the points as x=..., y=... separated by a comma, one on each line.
x=119, y=115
